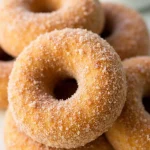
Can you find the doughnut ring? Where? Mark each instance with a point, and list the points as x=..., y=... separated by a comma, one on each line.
x=16, y=140
x=132, y=129
x=91, y=110
x=30, y=18
x=6, y=65
x=125, y=30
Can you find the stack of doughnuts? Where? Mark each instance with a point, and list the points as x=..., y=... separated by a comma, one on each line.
x=74, y=84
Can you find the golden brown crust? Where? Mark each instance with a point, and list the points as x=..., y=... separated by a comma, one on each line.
x=5, y=70
x=16, y=140
x=132, y=129
x=94, y=107
x=23, y=21
x=126, y=29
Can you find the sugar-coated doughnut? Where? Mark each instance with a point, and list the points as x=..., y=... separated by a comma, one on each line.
x=132, y=130
x=24, y=20
x=16, y=140
x=125, y=30
x=5, y=69
x=90, y=111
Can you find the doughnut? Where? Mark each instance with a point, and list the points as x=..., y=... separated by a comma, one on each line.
x=30, y=18
x=6, y=65
x=16, y=140
x=125, y=30
x=132, y=129
x=81, y=118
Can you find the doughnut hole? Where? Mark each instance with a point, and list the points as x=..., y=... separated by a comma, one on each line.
x=4, y=56
x=107, y=31
x=65, y=88
x=45, y=6
x=146, y=103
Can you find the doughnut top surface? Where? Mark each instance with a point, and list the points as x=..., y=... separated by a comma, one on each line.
x=90, y=111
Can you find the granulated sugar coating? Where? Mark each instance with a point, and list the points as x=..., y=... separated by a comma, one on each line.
x=16, y=140
x=90, y=111
x=24, y=20
x=132, y=130
x=5, y=69
x=125, y=30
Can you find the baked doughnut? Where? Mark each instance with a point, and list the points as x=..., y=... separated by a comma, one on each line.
x=125, y=30
x=132, y=130
x=30, y=18
x=16, y=140
x=6, y=64
x=84, y=116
